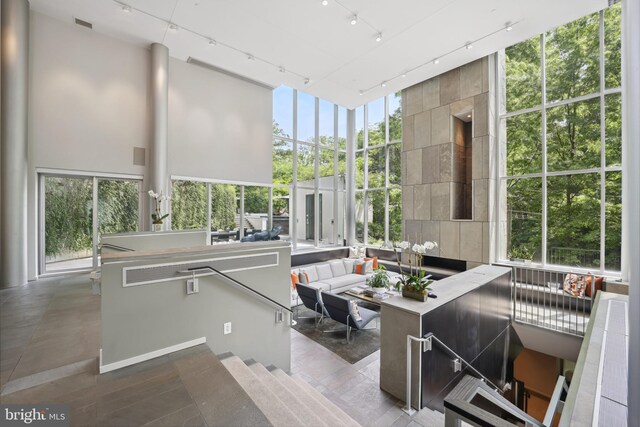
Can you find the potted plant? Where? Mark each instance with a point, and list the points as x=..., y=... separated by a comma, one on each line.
x=415, y=283
x=156, y=216
x=379, y=278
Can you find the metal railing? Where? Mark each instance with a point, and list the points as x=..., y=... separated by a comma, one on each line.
x=280, y=309
x=539, y=298
x=115, y=247
x=426, y=344
x=555, y=404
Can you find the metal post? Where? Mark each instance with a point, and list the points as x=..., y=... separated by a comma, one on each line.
x=350, y=202
x=14, y=70
x=408, y=409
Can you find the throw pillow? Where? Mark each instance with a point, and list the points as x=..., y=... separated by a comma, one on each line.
x=349, y=265
x=364, y=267
x=324, y=271
x=574, y=285
x=597, y=286
x=337, y=268
x=294, y=279
x=304, y=278
x=312, y=273
x=375, y=261
x=353, y=310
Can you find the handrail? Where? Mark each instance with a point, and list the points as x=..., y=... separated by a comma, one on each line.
x=116, y=247
x=238, y=283
x=408, y=409
x=430, y=335
x=555, y=403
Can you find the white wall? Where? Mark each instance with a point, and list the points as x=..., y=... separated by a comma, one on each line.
x=89, y=105
x=219, y=127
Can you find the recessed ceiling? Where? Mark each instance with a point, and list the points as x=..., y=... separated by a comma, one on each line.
x=344, y=63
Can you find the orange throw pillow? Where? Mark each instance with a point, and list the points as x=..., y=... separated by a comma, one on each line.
x=375, y=262
x=359, y=268
x=294, y=279
x=597, y=286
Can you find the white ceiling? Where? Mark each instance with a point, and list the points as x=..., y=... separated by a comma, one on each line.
x=318, y=42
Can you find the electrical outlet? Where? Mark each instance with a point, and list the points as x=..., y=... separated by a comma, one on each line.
x=227, y=328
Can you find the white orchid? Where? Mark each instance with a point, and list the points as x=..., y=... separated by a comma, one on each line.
x=419, y=249
x=152, y=194
x=429, y=245
x=404, y=245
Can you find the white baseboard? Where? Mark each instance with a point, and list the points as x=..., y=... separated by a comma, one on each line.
x=147, y=356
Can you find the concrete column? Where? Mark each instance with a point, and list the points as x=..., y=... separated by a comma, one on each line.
x=350, y=203
x=631, y=191
x=13, y=136
x=159, y=153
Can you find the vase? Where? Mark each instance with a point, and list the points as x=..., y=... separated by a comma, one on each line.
x=407, y=293
x=157, y=227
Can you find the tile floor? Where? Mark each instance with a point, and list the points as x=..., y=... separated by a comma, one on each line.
x=49, y=343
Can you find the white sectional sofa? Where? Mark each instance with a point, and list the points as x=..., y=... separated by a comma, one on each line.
x=336, y=276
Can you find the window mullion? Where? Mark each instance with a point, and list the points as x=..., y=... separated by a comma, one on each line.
x=543, y=69
x=603, y=157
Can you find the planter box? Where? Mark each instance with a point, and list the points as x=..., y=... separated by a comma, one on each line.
x=415, y=295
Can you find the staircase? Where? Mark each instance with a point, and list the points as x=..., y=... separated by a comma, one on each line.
x=245, y=224
x=284, y=400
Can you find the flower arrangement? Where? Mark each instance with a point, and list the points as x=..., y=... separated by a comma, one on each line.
x=156, y=215
x=416, y=280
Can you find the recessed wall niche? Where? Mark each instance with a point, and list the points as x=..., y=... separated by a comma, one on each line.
x=462, y=159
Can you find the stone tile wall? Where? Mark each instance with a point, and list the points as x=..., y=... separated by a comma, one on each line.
x=428, y=161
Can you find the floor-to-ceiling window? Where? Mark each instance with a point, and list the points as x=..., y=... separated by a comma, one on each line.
x=378, y=178
x=309, y=166
x=560, y=146
x=75, y=210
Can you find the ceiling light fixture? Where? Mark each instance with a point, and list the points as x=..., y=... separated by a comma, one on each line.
x=281, y=69
x=354, y=20
x=361, y=93
x=436, y=61
x=508, y=26
x=212, y=42
x=126, y=8
x=468, y=116
x=306, y=81
x=383, y=84
x=404, y=74
x=324, y=2
x=469, y=46
x=173, y=27
x=379, y=37
x=250, y=57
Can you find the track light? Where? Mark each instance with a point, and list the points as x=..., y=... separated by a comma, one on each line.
x=436, y=61
x=354, y=20
x=361, y=93
x=324, y=2
x=508, y=26
x=469, y=46
x=173, y=27
x=281, y=69
x=379, y=37
x=126, y=8
x=383, y=84
x=212, y=42
x=250, y=57
x=404, y=75
x=306, y=81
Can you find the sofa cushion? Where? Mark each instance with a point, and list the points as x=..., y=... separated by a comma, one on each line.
x=349, y=265
x=324, y=272
x=320, y=286
x=337, y=268
x=304, y=278
x=348, y=280
x=312, y=273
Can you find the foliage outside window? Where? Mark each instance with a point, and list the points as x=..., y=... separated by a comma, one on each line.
x=378, y=180
x=561, y=185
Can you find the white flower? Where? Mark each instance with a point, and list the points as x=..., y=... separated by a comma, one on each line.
x=429, y=245
x=162, y=198
x=404, y=245
x=151, y=193
x=419, y=249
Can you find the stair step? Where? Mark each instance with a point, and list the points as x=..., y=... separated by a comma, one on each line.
x=310, y=400
x=332, y=407
x=288, y=397
x=275, y=411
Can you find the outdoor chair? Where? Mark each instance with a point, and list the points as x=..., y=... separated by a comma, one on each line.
x=338, y=309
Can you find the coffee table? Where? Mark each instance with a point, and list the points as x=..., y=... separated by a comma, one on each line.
x=369, y=299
